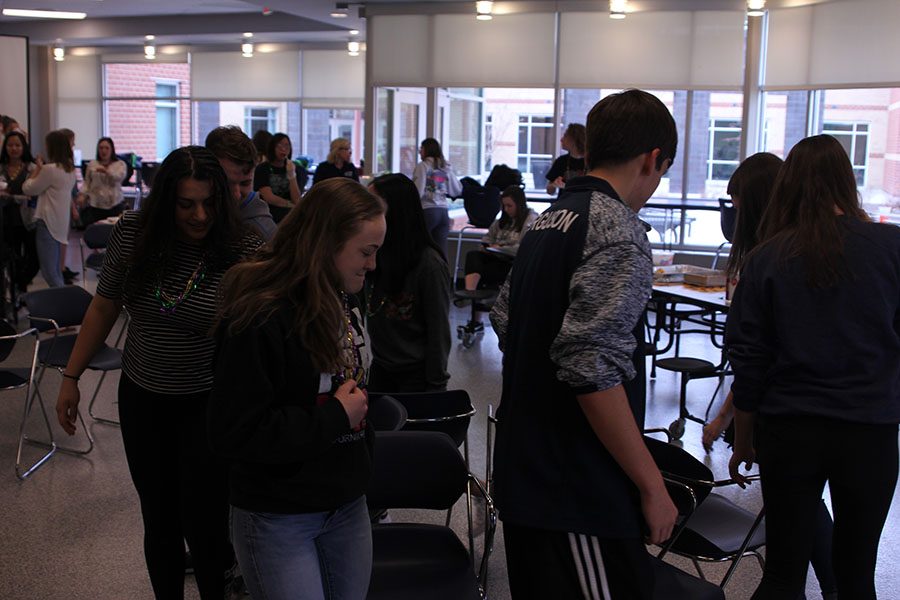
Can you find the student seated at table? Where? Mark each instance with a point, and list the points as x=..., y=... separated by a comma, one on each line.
x=485, y=268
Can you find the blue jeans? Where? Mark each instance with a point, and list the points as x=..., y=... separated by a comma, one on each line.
x=48, y=251
x=310, y=556
x=437, y=222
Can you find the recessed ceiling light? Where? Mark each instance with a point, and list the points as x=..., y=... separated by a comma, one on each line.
x=248, y=35
x=354, y=32
x=42, y=14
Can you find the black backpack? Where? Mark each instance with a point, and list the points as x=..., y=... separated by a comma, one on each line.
x=503, y=176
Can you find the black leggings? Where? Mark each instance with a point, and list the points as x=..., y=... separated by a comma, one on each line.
x=493, y=269
x=796, y=456
x=182, y=488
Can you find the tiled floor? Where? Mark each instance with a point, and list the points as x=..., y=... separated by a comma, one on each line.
x=73, y=530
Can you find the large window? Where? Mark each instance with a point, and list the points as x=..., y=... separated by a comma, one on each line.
x=166, y=118
x=854, y=137
x=535, y=149
x=321, y=125
x=146, y=107
x=862, y=120
x=724, y=148
x=259, y=119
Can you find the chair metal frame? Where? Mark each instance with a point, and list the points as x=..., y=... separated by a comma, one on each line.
x=86, y=261
x=23, y=472
x=690, y=486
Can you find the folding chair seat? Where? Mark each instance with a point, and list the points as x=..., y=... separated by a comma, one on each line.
x=14, y=378
x=424, y=470
x=55, y=309
x=711, y=528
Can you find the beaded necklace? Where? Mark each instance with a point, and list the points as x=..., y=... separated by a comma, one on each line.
x=352, y=367
x=169, y=303
x=369, y=291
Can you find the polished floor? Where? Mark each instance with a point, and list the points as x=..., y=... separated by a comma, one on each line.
x=73, y=530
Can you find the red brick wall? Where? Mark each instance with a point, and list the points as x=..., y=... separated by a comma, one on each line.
x=892, y=148
x=132, y=123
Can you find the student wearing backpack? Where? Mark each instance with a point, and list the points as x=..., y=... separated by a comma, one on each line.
x=435, y=180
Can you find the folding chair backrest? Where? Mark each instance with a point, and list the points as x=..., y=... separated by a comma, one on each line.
x=482, y=205
x=386, y=413
x=96, y=236
x=676, y=463
x=6, y=346
x=416, y=469
x=66, y=305
x=449, y=412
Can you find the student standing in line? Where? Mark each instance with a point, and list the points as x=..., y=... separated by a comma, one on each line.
x=237, y=155
x=576, y=488
x=339, y=162
x=813, y=336
x=569, y=165
x=750, y=188
x=436, y=181
x=164, y=265
x=16, y=164
x=276, y=179
x=52, y=183
x=289, y=403
x=407, y=298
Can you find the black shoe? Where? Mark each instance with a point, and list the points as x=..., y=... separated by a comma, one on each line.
x=475, y=326
x=70, y=274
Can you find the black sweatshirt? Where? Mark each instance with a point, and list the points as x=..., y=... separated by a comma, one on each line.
x=831, y=352
x=566, y=319
x=290, y=446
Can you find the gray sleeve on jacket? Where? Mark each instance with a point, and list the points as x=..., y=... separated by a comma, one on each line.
x=607, y=295
x=500, y=313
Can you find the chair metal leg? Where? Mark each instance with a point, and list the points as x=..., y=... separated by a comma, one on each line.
x=699, y=570
x=29, y=399
x=743, y=549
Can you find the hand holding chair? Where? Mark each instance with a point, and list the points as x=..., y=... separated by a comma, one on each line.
x=711, y=528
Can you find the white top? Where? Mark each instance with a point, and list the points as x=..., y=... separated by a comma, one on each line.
x=104, y=190
x=53, y=187
x=435, y=184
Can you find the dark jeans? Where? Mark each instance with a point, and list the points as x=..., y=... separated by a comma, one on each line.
x=796, y=456
x=437, y=222
x=182, y=488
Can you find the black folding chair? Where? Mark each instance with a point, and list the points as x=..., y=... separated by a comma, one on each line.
x=55, y=309
x=711, y=528
x=424, y=470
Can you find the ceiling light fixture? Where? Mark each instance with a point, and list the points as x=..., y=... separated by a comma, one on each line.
x=248, y=35
x=756, y=8
x=247, y=49
x=59, y=53
x=618, y=9
x=483, y=10
x=149, y=47
x=341, y=10
x=353, y=48
x=354, y=32
x=42, y=14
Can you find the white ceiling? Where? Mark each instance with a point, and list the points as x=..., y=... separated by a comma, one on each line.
x=123, y=23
